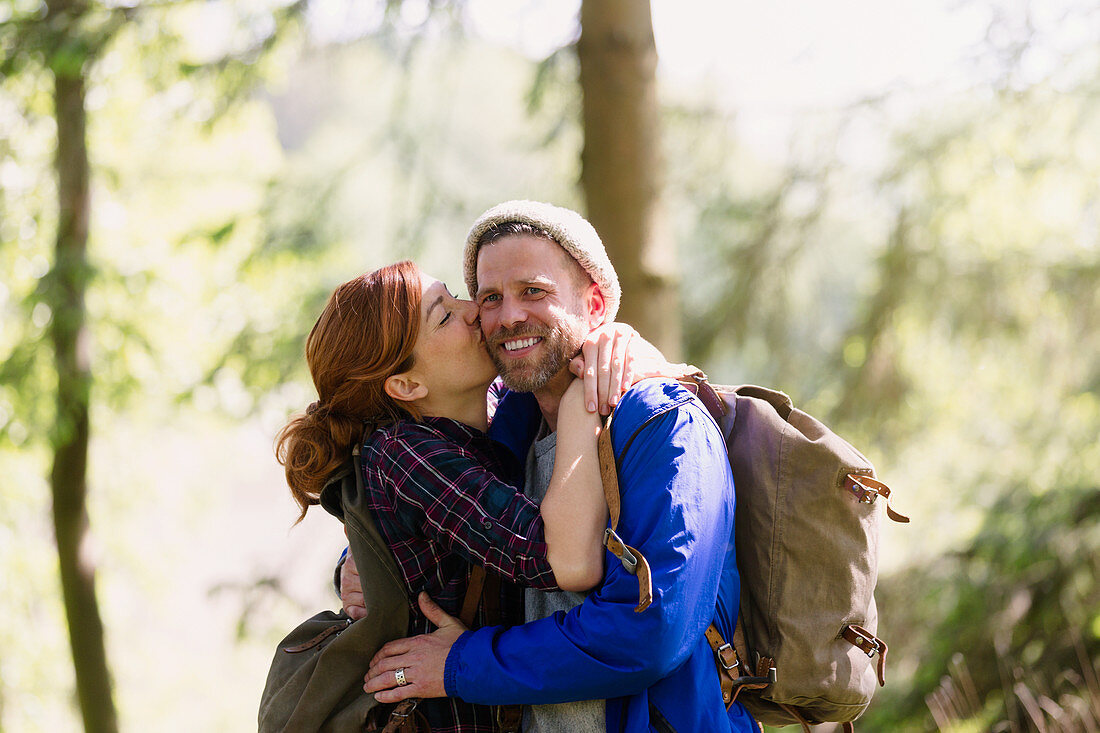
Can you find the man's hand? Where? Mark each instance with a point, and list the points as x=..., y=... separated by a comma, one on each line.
x=423, y=659
x=351, y=589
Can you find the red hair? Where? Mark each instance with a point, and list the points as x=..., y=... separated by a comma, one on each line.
x=365, y=335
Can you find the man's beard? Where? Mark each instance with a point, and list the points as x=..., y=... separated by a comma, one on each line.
x=560, y=343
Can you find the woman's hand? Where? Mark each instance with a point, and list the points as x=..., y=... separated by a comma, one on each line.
x=422, y=659
x=606, y=364
x=615, y=356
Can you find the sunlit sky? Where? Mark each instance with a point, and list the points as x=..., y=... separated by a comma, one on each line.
x=779, y=55
x=771, y=62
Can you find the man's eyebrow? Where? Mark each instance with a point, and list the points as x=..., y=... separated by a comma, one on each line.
x=540, y=280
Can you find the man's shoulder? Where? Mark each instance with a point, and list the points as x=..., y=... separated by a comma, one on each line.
x=649, y=398
x=666, y=406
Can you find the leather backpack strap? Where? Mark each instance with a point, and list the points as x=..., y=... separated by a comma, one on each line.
x=870, y=645
x=632, y=560
x=867, y=489
x=509, y=717
x=734, y=674
x=405, y=719
x=697, y=384
x=726, y=660
x=801, y=718
x=474, y=588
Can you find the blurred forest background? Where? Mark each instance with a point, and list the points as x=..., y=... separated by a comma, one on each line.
x=913, y=256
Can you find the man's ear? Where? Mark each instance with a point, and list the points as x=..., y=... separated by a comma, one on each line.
x=404, y=387
x=595, y=305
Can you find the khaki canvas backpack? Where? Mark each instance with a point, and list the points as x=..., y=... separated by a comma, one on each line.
x=805, y=649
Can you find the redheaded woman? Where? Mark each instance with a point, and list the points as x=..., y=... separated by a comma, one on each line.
x=399, y=363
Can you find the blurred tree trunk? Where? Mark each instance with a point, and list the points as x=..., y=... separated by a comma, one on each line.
x=621, y=164
x=68, y=477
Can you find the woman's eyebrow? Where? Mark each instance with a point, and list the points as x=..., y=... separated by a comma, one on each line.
x=437, y=301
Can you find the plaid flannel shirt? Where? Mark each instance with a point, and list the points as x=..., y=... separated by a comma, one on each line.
x=444, y=496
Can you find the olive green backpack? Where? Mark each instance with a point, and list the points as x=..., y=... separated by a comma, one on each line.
x=315, y=682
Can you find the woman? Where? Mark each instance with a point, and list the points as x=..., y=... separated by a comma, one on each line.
x=394, y=352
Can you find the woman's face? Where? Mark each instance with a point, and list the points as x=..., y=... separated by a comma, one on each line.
x=449, y=355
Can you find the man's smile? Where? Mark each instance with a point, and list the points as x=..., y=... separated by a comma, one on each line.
x=519, y=344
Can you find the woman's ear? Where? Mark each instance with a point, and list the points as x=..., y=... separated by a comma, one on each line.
x=404, y=387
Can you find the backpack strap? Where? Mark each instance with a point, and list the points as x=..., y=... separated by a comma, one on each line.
x=697, y=384
x=733, y=674
x=867, y=489
x=474, y=588
x=633, y=560
x=870, y=645
x=406, y=719
x=508, y=717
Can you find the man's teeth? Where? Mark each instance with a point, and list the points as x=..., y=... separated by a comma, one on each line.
x=520, y=344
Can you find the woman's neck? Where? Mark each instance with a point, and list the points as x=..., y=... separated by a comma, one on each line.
x=469, y=409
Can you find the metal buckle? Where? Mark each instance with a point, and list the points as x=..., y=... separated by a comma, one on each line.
x=866, y=644
x=864, y=494
x=630, y=563
x=410, y=703
x=721, y=661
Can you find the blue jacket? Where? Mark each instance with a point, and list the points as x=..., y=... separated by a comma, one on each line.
x=677, y=509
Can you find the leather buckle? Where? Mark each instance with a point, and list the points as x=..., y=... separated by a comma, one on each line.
x=721, y=657
x=864, y=641
x=618, y=548
x=870, y=645
x=866, y=489
x=864, y=494
x=406, y=714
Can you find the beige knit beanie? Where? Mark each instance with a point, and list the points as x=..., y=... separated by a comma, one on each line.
x=566, y=227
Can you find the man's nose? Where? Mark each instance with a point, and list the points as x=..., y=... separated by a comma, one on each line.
x=512, y=312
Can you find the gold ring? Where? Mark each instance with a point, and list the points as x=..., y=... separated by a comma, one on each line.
x=400, y=675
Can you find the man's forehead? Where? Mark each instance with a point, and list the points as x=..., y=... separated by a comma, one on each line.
x=524, y=258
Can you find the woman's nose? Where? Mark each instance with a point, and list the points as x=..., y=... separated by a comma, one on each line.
x=469, y=311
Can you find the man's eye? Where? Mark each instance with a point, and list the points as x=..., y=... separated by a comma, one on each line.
x=533, y=290
x=490, y=299
x=445, y=318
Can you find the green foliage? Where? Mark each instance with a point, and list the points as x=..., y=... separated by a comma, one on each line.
x=937, y=302
x=943, y=313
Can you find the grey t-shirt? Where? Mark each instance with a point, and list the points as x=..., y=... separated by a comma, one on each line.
x=572, y=717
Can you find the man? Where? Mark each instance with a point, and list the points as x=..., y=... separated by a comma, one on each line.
x=543, y=281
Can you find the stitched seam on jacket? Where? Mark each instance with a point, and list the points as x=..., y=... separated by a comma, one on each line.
x=687, y=399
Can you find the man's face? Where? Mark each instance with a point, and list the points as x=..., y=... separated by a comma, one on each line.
x=536, y=308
